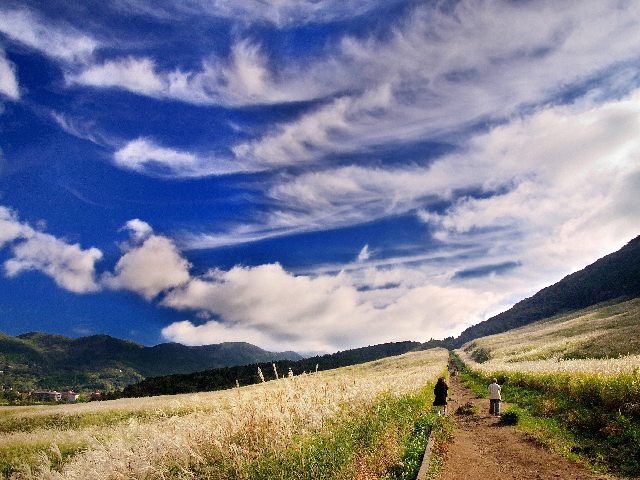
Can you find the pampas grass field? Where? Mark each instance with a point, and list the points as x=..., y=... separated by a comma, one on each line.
x=295, y=426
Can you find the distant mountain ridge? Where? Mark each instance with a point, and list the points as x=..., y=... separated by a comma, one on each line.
x=43, y=360
x=615, y=276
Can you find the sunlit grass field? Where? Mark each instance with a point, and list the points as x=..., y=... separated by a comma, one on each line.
x=333, y=424
x=578, y=378
x=603, y=339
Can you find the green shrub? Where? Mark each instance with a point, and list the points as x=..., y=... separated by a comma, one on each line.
x=481, y=355
x=510, y=417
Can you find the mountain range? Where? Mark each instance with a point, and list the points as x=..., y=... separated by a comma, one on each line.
x=43, y=360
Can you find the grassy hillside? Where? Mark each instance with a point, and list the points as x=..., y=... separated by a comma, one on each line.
x=604, y=331
x=616, y=276
x=353, y=422
x=42, y=360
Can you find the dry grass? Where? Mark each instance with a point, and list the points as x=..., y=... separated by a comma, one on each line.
x=174, y=436
x=603, y=339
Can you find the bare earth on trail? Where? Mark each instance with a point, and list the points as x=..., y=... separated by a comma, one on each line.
x=483, y=450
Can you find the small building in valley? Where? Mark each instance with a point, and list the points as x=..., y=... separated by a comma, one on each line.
x=46, y=396
x=70, y=396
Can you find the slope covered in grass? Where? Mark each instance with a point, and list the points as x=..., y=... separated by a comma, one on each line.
x=605, y=331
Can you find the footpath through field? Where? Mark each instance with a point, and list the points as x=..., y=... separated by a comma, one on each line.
x=483, y=450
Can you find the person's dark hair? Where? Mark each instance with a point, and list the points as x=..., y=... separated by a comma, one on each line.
x=441, y=380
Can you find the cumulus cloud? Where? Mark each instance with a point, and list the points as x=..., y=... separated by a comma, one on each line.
x=138, y=229
x=268, y=305
x=150, y=266
x=265, y=304
x=58, y=41
x=69, y=265
x=8, y=80
x=10, y=227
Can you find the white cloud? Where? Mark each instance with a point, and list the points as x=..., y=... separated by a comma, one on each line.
x=81, y=128
x=71, y=267
x=580, y=156
x=364, y=254
x=135, y=75
x=145, y=156
x=443, y=70
x=58, y=41
x=138, y=229
x=436, y=71
x=265, y=304
x=8, y=79
x=271, y=307
x=241, y=79
x=150, y=266
x=11, y=228
x=554, y=191
x=568, y=174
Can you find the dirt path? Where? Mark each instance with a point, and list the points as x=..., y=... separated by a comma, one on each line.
x=483, y=450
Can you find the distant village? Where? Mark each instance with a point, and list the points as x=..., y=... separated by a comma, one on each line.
x=48, y=396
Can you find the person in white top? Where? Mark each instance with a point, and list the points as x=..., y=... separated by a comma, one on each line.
x=494, y=398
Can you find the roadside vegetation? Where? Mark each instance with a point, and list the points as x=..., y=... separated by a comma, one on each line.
x=367, y=421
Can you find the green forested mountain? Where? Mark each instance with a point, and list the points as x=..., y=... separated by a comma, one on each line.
x=42, y=360
x=222, y=378
x=615, y=276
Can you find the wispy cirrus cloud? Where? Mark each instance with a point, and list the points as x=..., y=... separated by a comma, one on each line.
x=243, y=78
x=8, y=80
x=284, y=13
x=62, y=42
x=437, y=73
x=145, y=156
x=442, y=67
x=443, y=70
x=508, y=181
x=83, y=128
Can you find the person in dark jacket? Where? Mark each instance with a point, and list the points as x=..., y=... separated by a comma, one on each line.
x=440, y=391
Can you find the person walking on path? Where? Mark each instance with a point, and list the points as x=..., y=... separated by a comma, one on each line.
x=494, y=398
x=440, y=391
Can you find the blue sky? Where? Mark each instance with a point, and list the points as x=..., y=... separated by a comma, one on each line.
x=308, y=175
